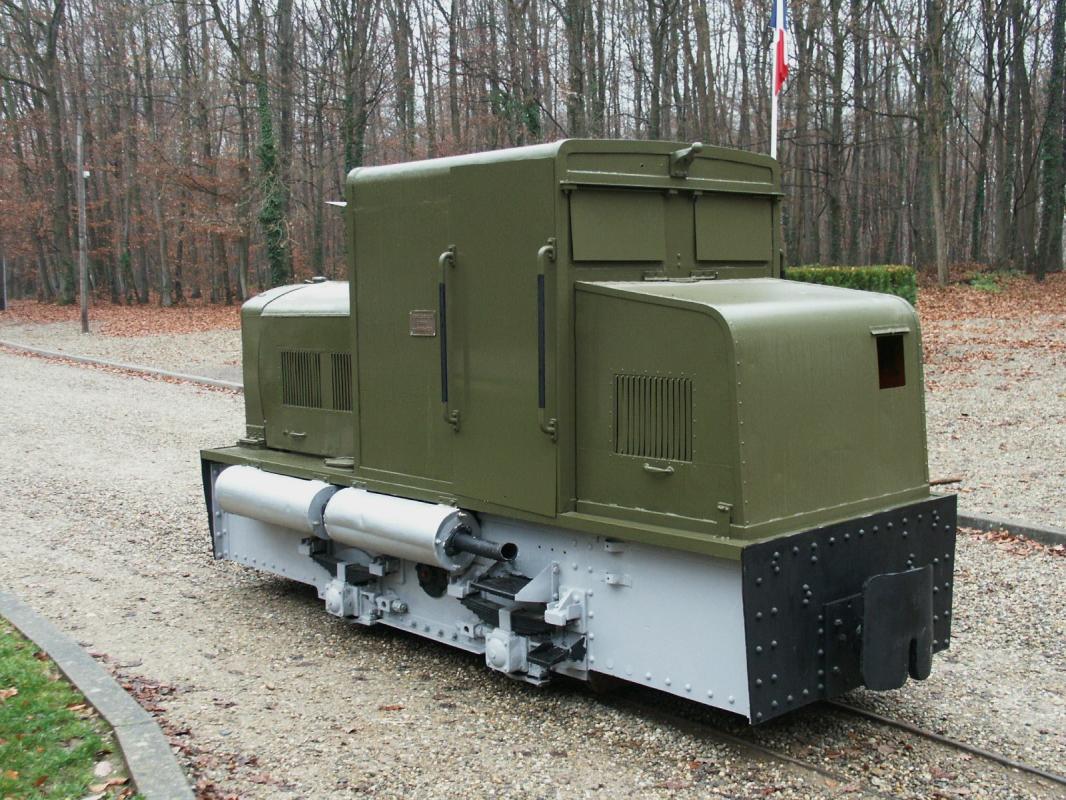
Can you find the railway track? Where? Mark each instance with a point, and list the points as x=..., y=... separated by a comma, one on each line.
x=134, y=369
x=667, y=714
x=955, y=744
x=678, y=716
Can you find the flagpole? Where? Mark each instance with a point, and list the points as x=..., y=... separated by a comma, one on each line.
x=773, y=112
x=773, y=80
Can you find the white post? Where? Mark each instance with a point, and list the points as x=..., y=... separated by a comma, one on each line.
x=83, y=258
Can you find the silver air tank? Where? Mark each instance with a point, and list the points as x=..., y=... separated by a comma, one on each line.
x=276, y=499
x=379, y=524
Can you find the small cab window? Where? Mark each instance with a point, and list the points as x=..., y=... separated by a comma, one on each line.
x=890, y=366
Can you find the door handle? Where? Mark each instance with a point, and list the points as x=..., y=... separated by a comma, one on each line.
x=548, y=425
x=445, y=263
x=295, y=434
x=654, y=470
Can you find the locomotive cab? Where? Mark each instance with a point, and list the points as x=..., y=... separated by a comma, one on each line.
x=566, y=414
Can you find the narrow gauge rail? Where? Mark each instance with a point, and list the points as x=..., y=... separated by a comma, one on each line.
x=656, y=711
x=139, y=370
x=679, y=720
x=908, y=727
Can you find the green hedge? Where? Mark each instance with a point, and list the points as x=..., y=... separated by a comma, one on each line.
x=889, y=278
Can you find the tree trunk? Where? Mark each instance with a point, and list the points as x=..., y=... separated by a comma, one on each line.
x=1049, y=250
x=574, y=15
x=835, y=155
x=64, y=251
x=934, y=133
x=977, y=219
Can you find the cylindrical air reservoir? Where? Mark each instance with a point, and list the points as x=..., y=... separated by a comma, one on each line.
x=399, y=527
x=276, y=499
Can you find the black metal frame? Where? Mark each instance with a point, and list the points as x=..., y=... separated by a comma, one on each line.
x=805, y=600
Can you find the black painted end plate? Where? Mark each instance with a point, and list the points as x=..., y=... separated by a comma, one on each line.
x=804, y=601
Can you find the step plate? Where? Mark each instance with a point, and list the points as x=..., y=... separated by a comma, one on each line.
x=503, y=585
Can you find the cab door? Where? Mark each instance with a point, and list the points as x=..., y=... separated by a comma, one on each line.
x=501, y=216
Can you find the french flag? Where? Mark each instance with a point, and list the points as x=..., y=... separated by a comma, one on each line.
x=779, y=54
x=779, y=22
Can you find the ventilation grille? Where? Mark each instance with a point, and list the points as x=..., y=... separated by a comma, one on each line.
x=342, y=381
x=301, y=379
x=653, y=417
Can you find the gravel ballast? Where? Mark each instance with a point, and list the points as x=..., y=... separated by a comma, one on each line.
x=266, y=695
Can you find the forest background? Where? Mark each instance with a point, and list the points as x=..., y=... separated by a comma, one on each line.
x=922, y=132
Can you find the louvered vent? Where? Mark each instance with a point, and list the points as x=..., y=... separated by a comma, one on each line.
x=342, y=380
x=653, y=417
x=301, y=379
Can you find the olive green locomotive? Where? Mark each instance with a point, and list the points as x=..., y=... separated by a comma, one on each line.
x=566, y=414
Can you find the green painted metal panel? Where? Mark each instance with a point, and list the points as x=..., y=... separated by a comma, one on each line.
x=251, y=330
x=731, y=228
x=400, y=228
x=817, y=438
x=655, y=422
x=617, y=225
x=499, y=222
x=809, y=385
x=304, y=376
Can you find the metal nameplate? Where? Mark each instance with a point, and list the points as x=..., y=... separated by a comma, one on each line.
x=422, y=323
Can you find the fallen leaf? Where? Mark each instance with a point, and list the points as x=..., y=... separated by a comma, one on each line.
x=673, y=785
x=7, y=693
x=11, y=774
x=390, y=708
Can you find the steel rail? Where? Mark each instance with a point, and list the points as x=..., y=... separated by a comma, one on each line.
x=705, y=729
x=947, y=740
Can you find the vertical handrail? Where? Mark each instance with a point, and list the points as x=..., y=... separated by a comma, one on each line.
x=548, y=425
x=446, y=260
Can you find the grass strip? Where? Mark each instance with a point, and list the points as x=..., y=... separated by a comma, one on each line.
x=50, y=738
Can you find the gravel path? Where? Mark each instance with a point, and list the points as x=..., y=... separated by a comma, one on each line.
x=269, y=696
x=996, y=415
